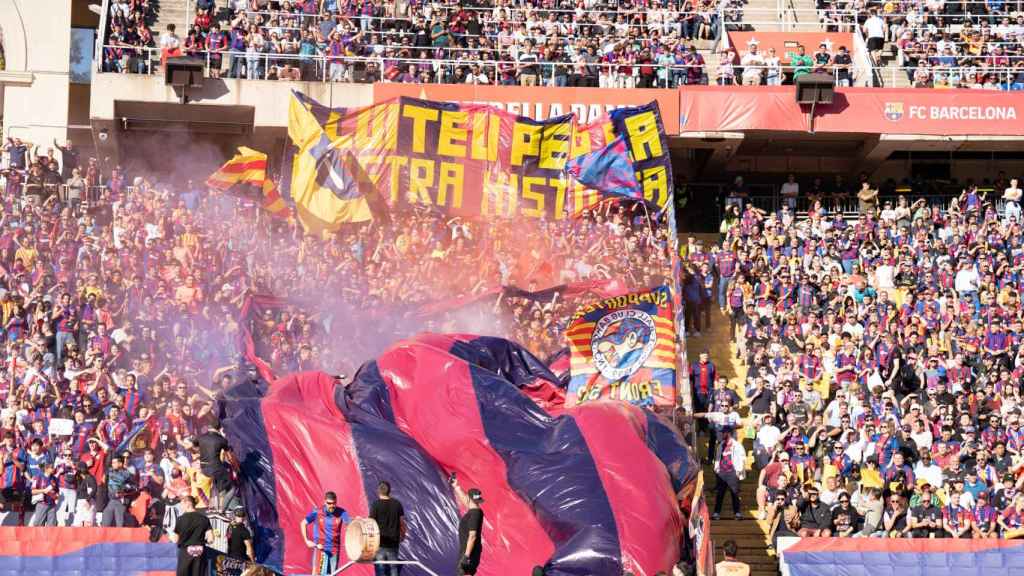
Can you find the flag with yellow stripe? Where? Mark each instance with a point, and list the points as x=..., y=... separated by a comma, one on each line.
x=249, y=167
x=623, y=348
x=326, y=192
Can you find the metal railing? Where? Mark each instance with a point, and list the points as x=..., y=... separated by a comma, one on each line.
x=61, y=193
x=352, y=563
x=320, y=68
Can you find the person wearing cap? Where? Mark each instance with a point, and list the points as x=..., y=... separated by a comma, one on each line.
x=771, y=476
x=983, y=518
x=240, y=538
x=471, y=526
x=815, y=516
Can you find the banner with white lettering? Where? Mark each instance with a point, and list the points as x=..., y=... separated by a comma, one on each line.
x=542, y=103
x=855, y=110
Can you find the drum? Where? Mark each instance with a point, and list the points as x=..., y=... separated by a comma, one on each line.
x=362, y=539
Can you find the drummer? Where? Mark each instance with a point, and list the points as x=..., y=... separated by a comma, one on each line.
x=328, y=524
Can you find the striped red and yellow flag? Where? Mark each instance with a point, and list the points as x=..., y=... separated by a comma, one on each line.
x=250, y=167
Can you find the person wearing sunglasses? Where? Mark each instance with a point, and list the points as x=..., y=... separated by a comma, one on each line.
x=325, y=538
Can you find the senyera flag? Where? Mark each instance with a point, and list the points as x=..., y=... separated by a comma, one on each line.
x=623, y=348
x=250, y=167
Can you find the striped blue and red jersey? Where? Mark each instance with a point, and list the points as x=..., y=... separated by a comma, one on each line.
x=327, y=527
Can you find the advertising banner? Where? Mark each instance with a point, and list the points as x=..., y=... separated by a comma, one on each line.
x=537, y=103
x=623, y=348
x=854, y=110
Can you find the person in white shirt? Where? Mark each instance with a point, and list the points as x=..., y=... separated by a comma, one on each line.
x=476, y=75
x=874, y=29
x=830, y=490
x=767, y=439
x=753, y=63
x=169, y=40
x=1011, y=197
x=773, y=68
x=927, y=470
x=966, y=283
x=790, y=191
x=919, y=432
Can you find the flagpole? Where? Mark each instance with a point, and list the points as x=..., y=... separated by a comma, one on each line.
x=650, y=225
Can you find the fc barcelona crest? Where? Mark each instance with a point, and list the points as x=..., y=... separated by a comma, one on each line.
x=894, y=111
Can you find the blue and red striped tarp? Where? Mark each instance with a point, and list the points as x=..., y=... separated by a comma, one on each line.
x=84, y=552
x=904, y=557
x=589, y=490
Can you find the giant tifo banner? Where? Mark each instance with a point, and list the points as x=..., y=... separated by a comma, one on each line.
x=623, y=348
x=588, y=104
x=467, y=160
x=583, y=490
x=902, y=557
x=855, y=110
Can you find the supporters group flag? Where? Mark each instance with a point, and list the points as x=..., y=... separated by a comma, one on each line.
x=249, y=167
x=623, y=348
x=468, y=160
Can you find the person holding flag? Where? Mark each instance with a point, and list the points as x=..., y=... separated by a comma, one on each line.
x=328, y=524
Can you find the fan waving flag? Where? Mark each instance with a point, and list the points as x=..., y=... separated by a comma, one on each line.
x=250, y=167
x=608, y=171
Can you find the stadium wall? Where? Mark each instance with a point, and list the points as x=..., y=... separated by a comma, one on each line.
x=35, y=84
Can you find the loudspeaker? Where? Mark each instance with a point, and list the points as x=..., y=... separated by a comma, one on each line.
x=815, y=89
x=184, y=72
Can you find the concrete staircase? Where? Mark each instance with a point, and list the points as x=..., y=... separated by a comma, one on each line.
x=173, y=12
x=892, y=76
x=763, y=15
x=750, y=534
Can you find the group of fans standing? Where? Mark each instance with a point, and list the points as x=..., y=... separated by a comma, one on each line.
x=121, y=312
x=883, y=358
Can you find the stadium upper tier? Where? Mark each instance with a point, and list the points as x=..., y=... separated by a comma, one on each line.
x=669, y=43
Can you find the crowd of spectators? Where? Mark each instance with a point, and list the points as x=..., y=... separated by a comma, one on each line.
x=973, y=44
x=566, y=43
x=121, y=313
x=130, y=45
x=883, y=361
x=757, y=67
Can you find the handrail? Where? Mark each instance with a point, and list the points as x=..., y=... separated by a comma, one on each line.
x=351, y=563
x=661, y=72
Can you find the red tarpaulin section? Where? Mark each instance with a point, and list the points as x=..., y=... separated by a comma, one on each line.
x=855, y=110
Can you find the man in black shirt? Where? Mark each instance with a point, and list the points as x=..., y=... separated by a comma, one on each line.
x=191, y=533
x=240, y=538
x=470, y=530
x=925, y=520
x=390, y=518
x=213, y=449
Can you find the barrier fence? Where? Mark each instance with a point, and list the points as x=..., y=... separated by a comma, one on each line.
x=360, y=69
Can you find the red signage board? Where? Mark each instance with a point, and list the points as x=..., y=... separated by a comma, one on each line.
x=539, y=103
x=855, y=110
